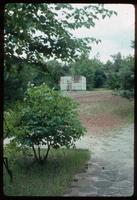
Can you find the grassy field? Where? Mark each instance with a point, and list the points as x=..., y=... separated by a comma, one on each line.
x=101, y=111
x=51, y=179
x=118, y=107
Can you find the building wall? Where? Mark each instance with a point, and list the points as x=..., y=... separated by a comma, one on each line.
x=68, y=83
x=64, y=82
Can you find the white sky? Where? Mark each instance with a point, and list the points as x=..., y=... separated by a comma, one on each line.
x=115, y=32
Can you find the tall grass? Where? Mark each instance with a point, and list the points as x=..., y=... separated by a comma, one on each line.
x=51, y=179
x=121, y=108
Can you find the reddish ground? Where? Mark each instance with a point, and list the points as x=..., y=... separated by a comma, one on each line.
x=101, y=123
x=96, y=97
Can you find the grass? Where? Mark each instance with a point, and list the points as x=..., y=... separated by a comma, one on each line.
x=102, y=89
x=51, y=179
x=118, y=107
x=124, y=111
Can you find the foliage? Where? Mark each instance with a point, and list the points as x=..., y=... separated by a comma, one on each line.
x=120, y=75
x=50, y=76
x=10, y=117
x=126, y=74
x=129, y=94
x=16, y=79
x=92, y=69
x=37, y=32
x=112, y=71
x=23, y=20
x=12, y=149
x=15, y=82
x=53, y=178
x=44, y=118
x=99, y=78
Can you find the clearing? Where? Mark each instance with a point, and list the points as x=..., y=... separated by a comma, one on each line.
x=110, y=138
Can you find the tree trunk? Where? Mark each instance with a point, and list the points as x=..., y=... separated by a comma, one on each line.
x=39, y=153
x=35, y=154
x=46, y=156
x=5, y=161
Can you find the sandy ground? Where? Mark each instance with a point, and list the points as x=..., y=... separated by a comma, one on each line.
x=110, y=170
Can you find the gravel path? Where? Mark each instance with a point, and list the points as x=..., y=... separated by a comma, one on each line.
x=110, y=169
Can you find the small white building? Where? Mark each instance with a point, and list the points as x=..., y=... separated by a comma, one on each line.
x=72, y=83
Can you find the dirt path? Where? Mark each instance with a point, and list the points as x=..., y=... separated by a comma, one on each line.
x=110, y=168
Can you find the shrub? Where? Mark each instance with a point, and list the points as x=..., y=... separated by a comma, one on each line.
x=129, y=94
x=44, y=118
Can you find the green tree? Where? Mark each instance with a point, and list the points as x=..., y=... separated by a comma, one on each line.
x=35, y=32
x=51, y=75
x=126, y=77
x=15, y=82
x=120, y=74
x=53, y=38
x=44, y=118
x=99, y=78
x=113, y=71
x=92, y=69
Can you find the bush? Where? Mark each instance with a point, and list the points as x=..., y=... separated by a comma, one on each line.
x=44, y=118
x=129, y=94
x=120, y=75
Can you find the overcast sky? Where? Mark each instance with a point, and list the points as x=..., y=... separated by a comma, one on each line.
x=115, y=33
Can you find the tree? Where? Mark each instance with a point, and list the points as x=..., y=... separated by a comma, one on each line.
x=113, y=71
x=117, y=61
x=126, y=77
x=99, y=78
x=51, y=76
x=15, y=82
x=91, y=69
x=35, y=32
x=120, y=74
x=44, y=118
x=53, y=38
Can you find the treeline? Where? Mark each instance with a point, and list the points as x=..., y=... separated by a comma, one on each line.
x=117, y=74
x=120, y=75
